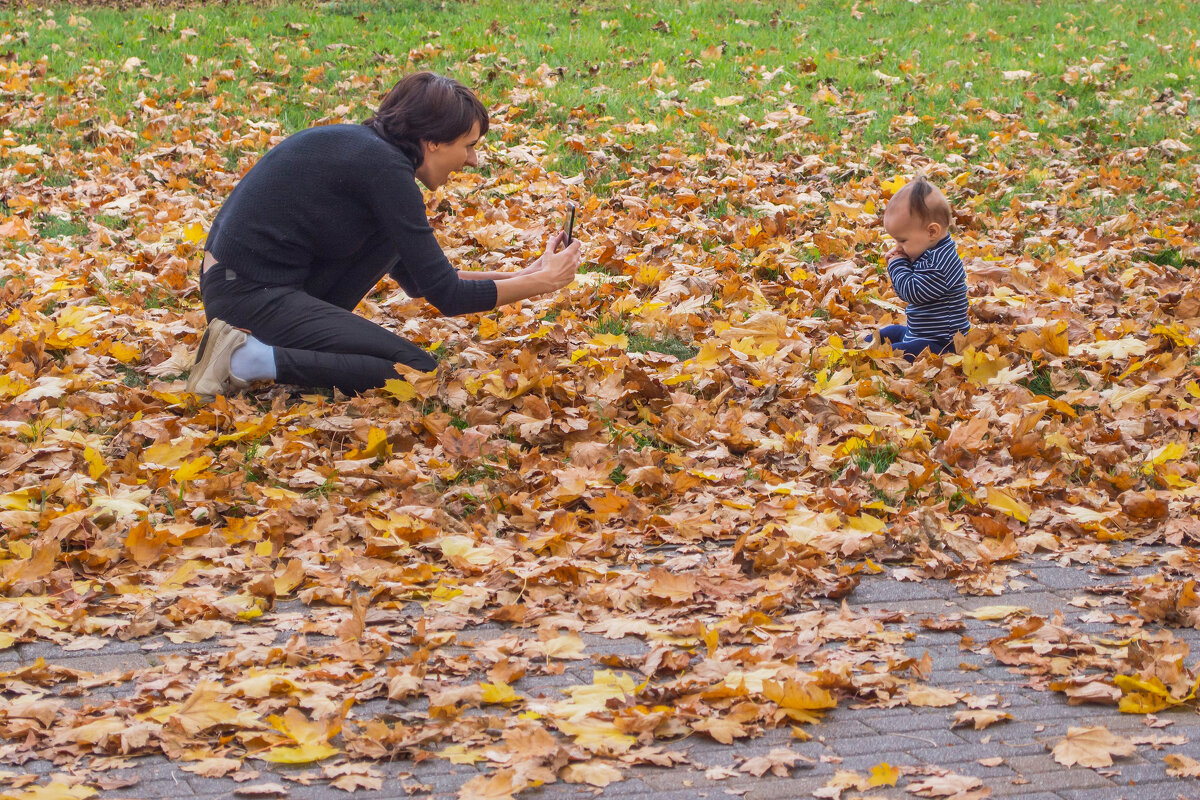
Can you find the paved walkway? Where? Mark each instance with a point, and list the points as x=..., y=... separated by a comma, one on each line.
x=848, y=739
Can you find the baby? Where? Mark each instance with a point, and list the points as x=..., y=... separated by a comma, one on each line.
x=925, y=271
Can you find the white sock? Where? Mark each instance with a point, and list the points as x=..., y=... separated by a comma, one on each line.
x=253, y=361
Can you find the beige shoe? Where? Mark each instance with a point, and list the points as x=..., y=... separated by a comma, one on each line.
x=210, y=375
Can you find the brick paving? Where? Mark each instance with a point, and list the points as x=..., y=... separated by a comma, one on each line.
x=849, y=738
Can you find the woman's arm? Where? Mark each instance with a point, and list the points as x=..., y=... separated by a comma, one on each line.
x=555, y=270
x=466, y=275
x=469, y=275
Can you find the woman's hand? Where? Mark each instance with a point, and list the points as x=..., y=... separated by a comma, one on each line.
x=558, y=267
x=553, y=270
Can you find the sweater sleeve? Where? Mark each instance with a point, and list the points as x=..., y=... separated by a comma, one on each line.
x=423, y=269
x=925, y=281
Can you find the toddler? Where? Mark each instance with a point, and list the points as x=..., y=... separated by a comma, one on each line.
x=925, y=271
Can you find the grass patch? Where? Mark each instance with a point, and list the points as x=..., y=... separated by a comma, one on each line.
x=1039, y=383
x=130, y=376
x=54, y=227
x=634, y=62
x=876, y=457
x=1171, y=257
x=112, y=222
x=670, y=345
x=613, y=326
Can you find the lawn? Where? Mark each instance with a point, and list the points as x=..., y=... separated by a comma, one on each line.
x=687, y=446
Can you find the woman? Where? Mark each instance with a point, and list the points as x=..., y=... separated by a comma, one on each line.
x=315, y=224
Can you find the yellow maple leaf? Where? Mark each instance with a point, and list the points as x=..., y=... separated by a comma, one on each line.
x=95, y=462
x=1142, y=703
x=488, y=328
x=311, y=738
x=1178, y=334
x=499, y=692
x=620, y=341
x=169, y=454
x=194, y=232
x=1006, y=503
x=979, y=367
x=799, y=698
x=890, y=187
x=884, y=774
x=21, y=499
x=400, y=389
x=123, y=352
x=460, y=754
x=1168, y=452
x=711, y=353
x=52, y=791
x=377, y=446
x=192, y=469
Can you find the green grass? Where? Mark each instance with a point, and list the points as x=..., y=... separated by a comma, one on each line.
x=1039, y=383
x=949, y=58
x=670, y=345
x=1171, y=257
x=876, y=457
x=53, y=227
x=613, y=326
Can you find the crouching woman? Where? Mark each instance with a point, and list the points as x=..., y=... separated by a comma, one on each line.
x=311, y=229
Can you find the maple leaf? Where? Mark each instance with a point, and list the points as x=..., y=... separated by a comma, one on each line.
x=51, y=791
x=499, y=692
x=671, y=587
x=722, y=729
x=311, y=738
x=1091, y=747
x=980, y=718
x=203, y=710
x=931, y=696
x=780, y=761
x=1181, y=766
x=501, y=785
x=592, y=773
x=884, y=774
x=799, y=698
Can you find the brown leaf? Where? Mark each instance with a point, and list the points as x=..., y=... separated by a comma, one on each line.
x=1091, y=747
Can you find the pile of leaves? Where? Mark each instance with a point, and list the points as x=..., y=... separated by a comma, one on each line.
x=695, y=445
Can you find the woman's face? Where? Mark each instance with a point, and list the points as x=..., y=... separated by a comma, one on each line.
x=443, y=159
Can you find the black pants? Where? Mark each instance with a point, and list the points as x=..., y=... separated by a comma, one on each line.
x=317, y=337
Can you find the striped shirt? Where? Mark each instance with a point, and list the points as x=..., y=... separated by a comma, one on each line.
x=935, y=288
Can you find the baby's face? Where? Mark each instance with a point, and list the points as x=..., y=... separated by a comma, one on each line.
x=913, y=237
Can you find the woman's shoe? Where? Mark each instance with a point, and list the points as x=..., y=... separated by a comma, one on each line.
x=210, y=375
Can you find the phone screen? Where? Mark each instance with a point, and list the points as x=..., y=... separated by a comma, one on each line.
x=570, y=226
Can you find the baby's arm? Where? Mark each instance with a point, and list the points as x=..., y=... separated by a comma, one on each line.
x=941, y=278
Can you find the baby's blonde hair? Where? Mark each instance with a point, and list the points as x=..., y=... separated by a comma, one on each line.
x=925, y=202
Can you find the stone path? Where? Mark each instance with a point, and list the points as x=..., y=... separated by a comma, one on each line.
x=855, y=739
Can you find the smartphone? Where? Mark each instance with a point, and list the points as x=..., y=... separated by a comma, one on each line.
x=570, y=226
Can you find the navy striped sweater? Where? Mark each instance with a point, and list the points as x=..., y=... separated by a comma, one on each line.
x=935, y=288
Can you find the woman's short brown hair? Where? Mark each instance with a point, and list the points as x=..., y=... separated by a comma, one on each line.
x=427, y=107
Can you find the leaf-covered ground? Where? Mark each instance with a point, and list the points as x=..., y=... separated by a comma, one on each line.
x=693, y=445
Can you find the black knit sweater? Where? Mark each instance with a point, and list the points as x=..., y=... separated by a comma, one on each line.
x=339, y=199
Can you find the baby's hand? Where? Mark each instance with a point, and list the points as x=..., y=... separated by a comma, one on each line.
x=895, y=252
